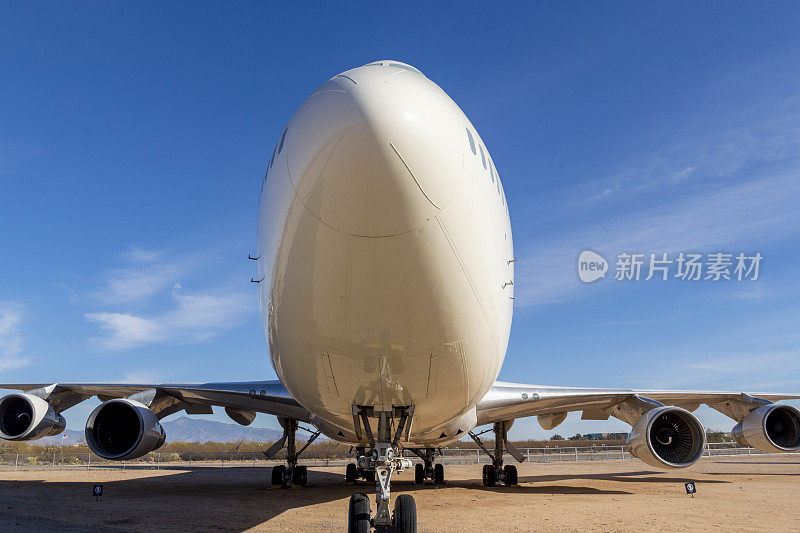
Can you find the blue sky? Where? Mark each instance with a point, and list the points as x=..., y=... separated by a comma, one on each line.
x=133, y=138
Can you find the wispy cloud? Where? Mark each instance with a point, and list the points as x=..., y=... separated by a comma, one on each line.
x=146, y=274
x=165, y=312
x=194, y=318
x=736, y=187
x=10, y=337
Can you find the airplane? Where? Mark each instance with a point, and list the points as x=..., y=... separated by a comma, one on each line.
x=386, y=291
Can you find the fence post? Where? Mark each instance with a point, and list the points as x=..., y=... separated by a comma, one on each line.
x=16, y=462
x=576, y=454
x=54, y=461
x=88, y=461
x=477, y=456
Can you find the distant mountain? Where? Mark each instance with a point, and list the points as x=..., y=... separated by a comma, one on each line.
x=73, y=436
x=187, y=429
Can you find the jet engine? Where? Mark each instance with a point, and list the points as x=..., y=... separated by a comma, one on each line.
x=123, y=429
x=28, y=417
x=771, y=428
x=667, y=437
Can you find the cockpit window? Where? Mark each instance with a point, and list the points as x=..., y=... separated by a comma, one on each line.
x=491, y=170
x=280, y=145
x=471, y=141
x=272, y=159
x=407, y=67
x=483, y=157
x=396, y=64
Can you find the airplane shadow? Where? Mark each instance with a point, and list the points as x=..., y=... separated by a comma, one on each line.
x=228, y=499
x=231, y=499
x=644, y=476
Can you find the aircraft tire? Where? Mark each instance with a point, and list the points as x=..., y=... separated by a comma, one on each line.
x=405, y=514
x=489, y=476
x=358, y=517
x=277, y=476
x=438, y=474
x=300, y=476
x=511, y=475
x=350, y=474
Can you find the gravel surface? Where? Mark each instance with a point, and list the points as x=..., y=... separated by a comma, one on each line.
x=733, y=493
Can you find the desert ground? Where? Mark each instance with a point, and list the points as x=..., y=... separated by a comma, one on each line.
x=733, y=493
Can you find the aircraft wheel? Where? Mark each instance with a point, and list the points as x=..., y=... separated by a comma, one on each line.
x=300, y=476
x=438, y=474
x=419, y=474
x=277, y=476
x=358, y=516
x=350, y=474
x=405, y=514
x=511, y=475
x=369, y=476
x=489, y=476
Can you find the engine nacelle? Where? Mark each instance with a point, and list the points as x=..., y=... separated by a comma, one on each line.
x=667, y=437
x=123, y=429
x=771, y=428
x=28, y=417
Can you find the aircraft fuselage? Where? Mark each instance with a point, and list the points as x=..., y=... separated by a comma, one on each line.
x=386, y=255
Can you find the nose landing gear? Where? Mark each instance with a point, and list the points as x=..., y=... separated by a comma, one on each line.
x=384, y=458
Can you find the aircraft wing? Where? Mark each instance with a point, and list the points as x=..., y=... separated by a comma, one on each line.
x=508, y=401
x=239, y=398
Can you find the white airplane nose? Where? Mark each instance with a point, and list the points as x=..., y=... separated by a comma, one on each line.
x=376, y=151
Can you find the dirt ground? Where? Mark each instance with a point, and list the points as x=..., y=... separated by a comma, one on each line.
x=733, y=493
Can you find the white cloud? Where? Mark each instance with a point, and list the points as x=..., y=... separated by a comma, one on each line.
x=10, y=337
x=139, y=253
x=164, y=314
x=721, y=179
x=141, y=377
x=194, y=318
x=146, y=275
x=745, y=214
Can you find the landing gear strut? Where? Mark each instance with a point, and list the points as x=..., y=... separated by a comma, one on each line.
x=354, y=472
x=428, y=470
x=497, y=473
x=384, y=458
x=290, y=474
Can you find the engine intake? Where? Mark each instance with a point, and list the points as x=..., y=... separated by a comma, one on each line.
x=28, y=417
x=667, y=437
x=771, y=428
x=123, y=429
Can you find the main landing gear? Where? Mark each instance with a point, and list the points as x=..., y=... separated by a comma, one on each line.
x=428, y=470
x=284, y=476
x=383, y=458
x=497, y=473
x=354, y=472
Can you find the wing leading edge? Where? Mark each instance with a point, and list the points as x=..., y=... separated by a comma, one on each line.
x=238, y=398
x=508, y=401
